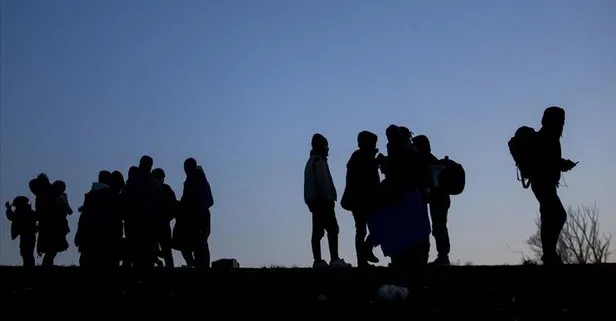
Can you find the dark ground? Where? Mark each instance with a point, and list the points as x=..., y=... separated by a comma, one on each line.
x=572, y=292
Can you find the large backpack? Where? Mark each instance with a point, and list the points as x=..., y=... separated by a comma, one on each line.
x=522, y=147
x=453, y=178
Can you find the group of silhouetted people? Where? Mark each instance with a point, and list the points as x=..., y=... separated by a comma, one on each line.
x=408, y=166
x=128, y=222
x=125, y=223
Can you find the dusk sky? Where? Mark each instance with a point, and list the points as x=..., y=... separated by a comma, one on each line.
x=242, y=86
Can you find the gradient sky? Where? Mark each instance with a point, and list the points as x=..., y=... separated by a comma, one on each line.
x=242, y=86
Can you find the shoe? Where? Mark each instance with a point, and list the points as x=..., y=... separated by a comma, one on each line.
x=441, y=260
x=319, y=264
x=339, y=263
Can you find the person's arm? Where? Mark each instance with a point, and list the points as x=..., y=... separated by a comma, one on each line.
x=66, y=205
x=10, y=214
x=324, y=190
x=567, y=165
x=207, y=193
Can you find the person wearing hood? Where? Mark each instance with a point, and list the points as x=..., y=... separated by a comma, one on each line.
x=362, y=193
x=440, y=201
x=23, y=225
x=193, y=221
x=99, y=229
x=320, y=196
x=544, y=183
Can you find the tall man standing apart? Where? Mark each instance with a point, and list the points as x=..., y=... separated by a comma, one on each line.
x=320, y=196
x=194, y=217
x=544, y=182
x=538, y=156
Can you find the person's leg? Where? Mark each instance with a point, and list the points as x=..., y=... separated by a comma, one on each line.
x=188, y=257
x=318, y=231
x=553, y=218
x=361, y=232
x=165, y=245
x=333, y=230
x=26, y=249
x=438, y=215
x=49, y=258
x=202, y=253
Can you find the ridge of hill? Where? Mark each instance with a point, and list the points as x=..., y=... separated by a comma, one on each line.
x=496, y=292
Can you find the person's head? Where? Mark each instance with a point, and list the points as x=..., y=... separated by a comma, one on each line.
x=190, y=164
x=422, y=143
x=104, y=177
x=393, y=134
x=117, y=180
x=21, y=202
x=553, y=120
x=319, y=144
x=159, y=175
x=58, y=187
x=405, y=133
x=146, y=162
x=367, y=141
x=132, y=171
x=44, y=179
x=39, y=185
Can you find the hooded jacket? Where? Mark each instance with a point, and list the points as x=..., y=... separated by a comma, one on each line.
x=197, y=194
x=318, y=182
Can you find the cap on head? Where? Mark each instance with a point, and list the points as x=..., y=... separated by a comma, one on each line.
x=318, y=141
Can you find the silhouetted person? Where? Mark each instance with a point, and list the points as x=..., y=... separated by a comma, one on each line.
x=362, y=193
x=440, y=201
x=167, y=213
x=53, y=225
x=405, y=171
x=193, y=221
x=397, y=166
x=545, y=180
x=117, y=181
x=143, y=195
x=320, y=196
x=59, y=188
x=99, y=229
x=23, y=225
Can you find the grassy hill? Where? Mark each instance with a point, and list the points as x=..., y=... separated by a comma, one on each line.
x=441, y=293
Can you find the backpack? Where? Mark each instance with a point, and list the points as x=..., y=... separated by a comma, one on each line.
x=453, y=178
x=522, y=147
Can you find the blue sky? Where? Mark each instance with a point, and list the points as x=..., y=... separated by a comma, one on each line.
x=242, y=86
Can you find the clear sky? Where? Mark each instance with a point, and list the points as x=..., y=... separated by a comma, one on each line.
x=242, y=85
